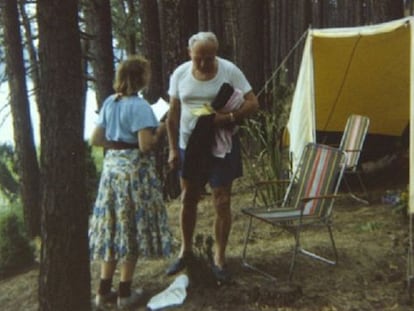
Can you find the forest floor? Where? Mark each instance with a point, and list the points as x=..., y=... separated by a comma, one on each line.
x=372, y=243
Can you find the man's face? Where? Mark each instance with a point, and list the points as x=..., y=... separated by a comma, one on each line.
x=203, y=56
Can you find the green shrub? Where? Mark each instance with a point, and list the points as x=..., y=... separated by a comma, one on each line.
x=15, y=249
x=93, y=160
x=265, y=156
x=9, y=185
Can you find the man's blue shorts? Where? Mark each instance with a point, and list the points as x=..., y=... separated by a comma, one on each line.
x=224, y=170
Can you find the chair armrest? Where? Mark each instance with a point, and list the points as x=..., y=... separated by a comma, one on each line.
x=353, y=150
x=333, y=145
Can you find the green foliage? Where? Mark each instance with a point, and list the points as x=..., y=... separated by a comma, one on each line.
x=125, y=25
x=15, y=249
x=92, y=157
x=401, y=205
x=97, y=157
x=370, y=226
x=265, y=154
x=9, y=185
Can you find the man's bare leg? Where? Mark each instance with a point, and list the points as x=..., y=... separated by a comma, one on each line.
x=222, y=223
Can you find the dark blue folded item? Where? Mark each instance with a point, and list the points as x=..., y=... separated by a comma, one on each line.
x=223, y=95
x=198, y=158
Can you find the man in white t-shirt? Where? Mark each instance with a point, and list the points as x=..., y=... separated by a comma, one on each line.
x=193, y=85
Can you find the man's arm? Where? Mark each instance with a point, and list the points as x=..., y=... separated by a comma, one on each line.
x=249, y=107
x=173, y=122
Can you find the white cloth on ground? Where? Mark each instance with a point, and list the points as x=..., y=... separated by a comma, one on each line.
x=173, y=295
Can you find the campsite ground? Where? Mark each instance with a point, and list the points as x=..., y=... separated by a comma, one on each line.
x=372, y=242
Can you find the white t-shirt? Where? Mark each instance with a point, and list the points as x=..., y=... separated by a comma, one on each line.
x=194, y=93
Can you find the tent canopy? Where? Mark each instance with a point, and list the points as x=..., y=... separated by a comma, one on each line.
x=364, y=70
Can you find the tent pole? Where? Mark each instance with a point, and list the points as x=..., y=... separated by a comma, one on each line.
x=282, y=63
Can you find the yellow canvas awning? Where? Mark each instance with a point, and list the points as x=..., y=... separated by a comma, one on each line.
x=363, y=74
x=364, y=70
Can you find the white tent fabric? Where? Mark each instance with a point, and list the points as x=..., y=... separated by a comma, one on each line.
x=302, y=122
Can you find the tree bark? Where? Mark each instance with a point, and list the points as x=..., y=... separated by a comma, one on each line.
x=170, y=40
x=393, y=9
x=64, y=281
x=250, y=53
x=33, y=70
x=152, y=48
x=22, y=124
x=99, y=27
x=131, y=28
x=188, y=12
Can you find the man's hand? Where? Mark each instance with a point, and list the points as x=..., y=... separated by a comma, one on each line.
x=174, y=159
x=223, y=120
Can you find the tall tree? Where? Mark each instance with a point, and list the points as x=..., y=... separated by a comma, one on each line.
x=99, y=29
x=64, y=282
x=30, y=36
x=125, y=24
x=170, y=40
x=249, y=54
x=187, y=10
x=131, y=18
x=391, y=9
x=22, y=125
x=152, y=48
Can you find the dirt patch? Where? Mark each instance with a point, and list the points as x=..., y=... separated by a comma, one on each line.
x=372, y=243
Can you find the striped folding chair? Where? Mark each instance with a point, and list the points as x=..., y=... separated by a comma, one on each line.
x=308, y=201
x=352, y=141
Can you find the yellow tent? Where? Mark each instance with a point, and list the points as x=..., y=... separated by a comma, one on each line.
x=364, y=70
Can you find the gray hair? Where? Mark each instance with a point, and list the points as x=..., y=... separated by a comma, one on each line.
x=207, y=36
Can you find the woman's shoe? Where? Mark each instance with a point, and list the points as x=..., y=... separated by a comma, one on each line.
x=222, y=275
x=124, y=303
x=102, y=300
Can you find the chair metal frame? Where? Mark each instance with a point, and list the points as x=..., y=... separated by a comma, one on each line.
x=352, y=142
x=304, y=205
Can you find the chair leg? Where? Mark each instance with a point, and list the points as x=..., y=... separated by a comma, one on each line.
x=352, y=194
x=297, y=249
x=320, y=258
x=246, y=239
x=244, y=254
x=362, y=185
x=295, y=252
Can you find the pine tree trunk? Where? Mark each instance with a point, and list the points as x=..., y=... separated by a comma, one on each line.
x=22, y=125
x=33, y=71
x=250, y=41
x=99, y=27
x=173, y=52
x=152, y=48
x=64, y=281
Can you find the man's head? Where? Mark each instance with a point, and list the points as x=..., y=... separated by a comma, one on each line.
x=202, y=48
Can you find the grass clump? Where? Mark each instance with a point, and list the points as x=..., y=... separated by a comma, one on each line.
x=15, y=250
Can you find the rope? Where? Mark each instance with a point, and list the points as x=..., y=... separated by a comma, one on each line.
x=342, y=83
x=282, y=63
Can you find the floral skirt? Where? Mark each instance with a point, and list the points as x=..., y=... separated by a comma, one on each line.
x=129, y=217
